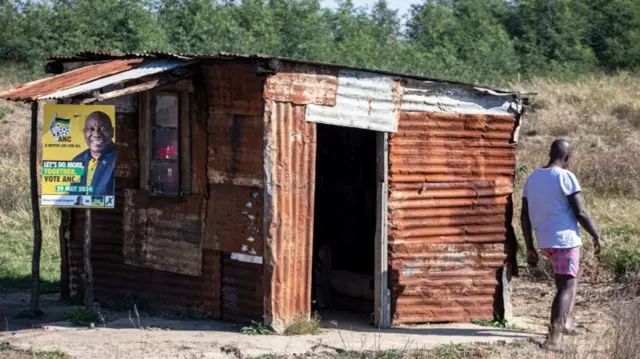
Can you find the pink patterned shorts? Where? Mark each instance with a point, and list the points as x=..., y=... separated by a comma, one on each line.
x=564, y=260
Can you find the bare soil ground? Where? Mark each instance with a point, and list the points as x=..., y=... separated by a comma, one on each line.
x=158, y=337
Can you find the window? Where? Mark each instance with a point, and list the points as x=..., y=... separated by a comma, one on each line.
x=165, y=142
x=165, y=163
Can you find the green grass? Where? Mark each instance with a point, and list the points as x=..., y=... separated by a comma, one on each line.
x=16, y=241
x=4, y=112
x=16, y=225
x=256, y=329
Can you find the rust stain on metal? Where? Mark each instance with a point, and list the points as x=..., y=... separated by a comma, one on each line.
x=302, y=89
x=450, y=178
x=234, y=219
x=35, y=89
x=199, y=108
x=116, y=280
x=290, y=152
x=242, y=291
x=235, y=149
x=163, y=233
x=235, y=88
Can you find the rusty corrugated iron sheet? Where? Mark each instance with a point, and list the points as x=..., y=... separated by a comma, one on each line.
x=116, y=281
x=450, y=178
x=146, y=69
x=235, y=157
x=235, y=88
x=235, y=152
x=242, y=291
x=234, y=220
x=36, y=89
x=302, y=88
x=363, y=100
x=277, y=64
x=164, y=233
x=290, y=153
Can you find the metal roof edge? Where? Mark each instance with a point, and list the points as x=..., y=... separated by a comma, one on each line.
x=96, y=56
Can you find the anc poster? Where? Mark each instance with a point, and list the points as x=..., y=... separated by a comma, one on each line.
x=78, y=156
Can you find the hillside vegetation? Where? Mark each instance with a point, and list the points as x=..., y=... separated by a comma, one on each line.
x=601, y=116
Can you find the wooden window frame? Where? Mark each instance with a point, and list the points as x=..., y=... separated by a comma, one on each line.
x=147, y=99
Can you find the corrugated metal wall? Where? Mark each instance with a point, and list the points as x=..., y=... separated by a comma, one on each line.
x=235, y=181
x=290, y=150
x=113, y=279
x=450, y=176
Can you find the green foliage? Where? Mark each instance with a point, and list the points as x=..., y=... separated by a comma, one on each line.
x=81, y=317
x=256, y=329
x=489, y=41
x=4, y=112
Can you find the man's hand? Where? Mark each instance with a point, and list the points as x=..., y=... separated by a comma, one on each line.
x=598, y=244
x=532, y=258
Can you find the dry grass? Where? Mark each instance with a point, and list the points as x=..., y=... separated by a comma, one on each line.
x=16, y=234
x=305, y=326
x=601, y=117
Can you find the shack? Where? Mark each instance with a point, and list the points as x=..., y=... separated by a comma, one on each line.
x=264, y=188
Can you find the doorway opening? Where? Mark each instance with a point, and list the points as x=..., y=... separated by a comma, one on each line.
x=344, y=224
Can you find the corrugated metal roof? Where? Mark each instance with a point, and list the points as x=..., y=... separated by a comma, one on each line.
x=36, y=89
x=146, y=69
x=96, y=56
x=363, y=100
x=428, y=96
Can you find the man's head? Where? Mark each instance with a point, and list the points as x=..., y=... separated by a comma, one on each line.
x=98, y=133
x=560, y=153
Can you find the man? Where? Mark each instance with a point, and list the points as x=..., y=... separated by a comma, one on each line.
x=552, y=205
x=99, y=158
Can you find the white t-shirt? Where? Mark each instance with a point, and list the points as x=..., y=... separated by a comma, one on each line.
x=550, y=213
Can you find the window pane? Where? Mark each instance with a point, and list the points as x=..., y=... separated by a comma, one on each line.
x=165, y=144
x=165, y=178
x=167, y=110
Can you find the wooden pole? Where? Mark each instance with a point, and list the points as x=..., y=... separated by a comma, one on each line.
x=88, y=270
x=34, y=304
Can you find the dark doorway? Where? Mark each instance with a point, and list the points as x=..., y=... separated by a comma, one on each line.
x=345, y=220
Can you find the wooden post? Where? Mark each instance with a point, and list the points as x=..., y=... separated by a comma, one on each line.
x=88, y=270
x=382, y=315
x=34, y=304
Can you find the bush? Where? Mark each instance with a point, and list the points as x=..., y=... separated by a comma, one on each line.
x=81, y=317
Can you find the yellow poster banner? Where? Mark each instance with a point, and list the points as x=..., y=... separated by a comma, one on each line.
x=78, y=156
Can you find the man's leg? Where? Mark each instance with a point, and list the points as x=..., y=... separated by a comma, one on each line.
x=565, y=285
x=568, y=324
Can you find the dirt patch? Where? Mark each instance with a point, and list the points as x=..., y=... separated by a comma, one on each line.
x=123, y=335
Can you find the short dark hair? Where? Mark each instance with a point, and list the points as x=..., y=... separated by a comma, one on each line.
x=100, y=116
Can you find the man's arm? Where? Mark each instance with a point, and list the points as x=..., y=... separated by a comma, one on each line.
x=527, y=231
x=583, y=217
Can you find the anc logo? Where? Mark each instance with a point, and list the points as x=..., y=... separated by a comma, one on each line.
x=60, y=129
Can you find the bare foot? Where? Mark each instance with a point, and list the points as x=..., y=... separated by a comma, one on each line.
x=557, y=348
x=571, y=332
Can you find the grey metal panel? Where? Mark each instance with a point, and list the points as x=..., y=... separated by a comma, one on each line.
x=427, y=96
x=142, y=71
x=364, y=100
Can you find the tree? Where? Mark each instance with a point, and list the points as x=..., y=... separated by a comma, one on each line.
x=552, y=36
x=466, y=38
